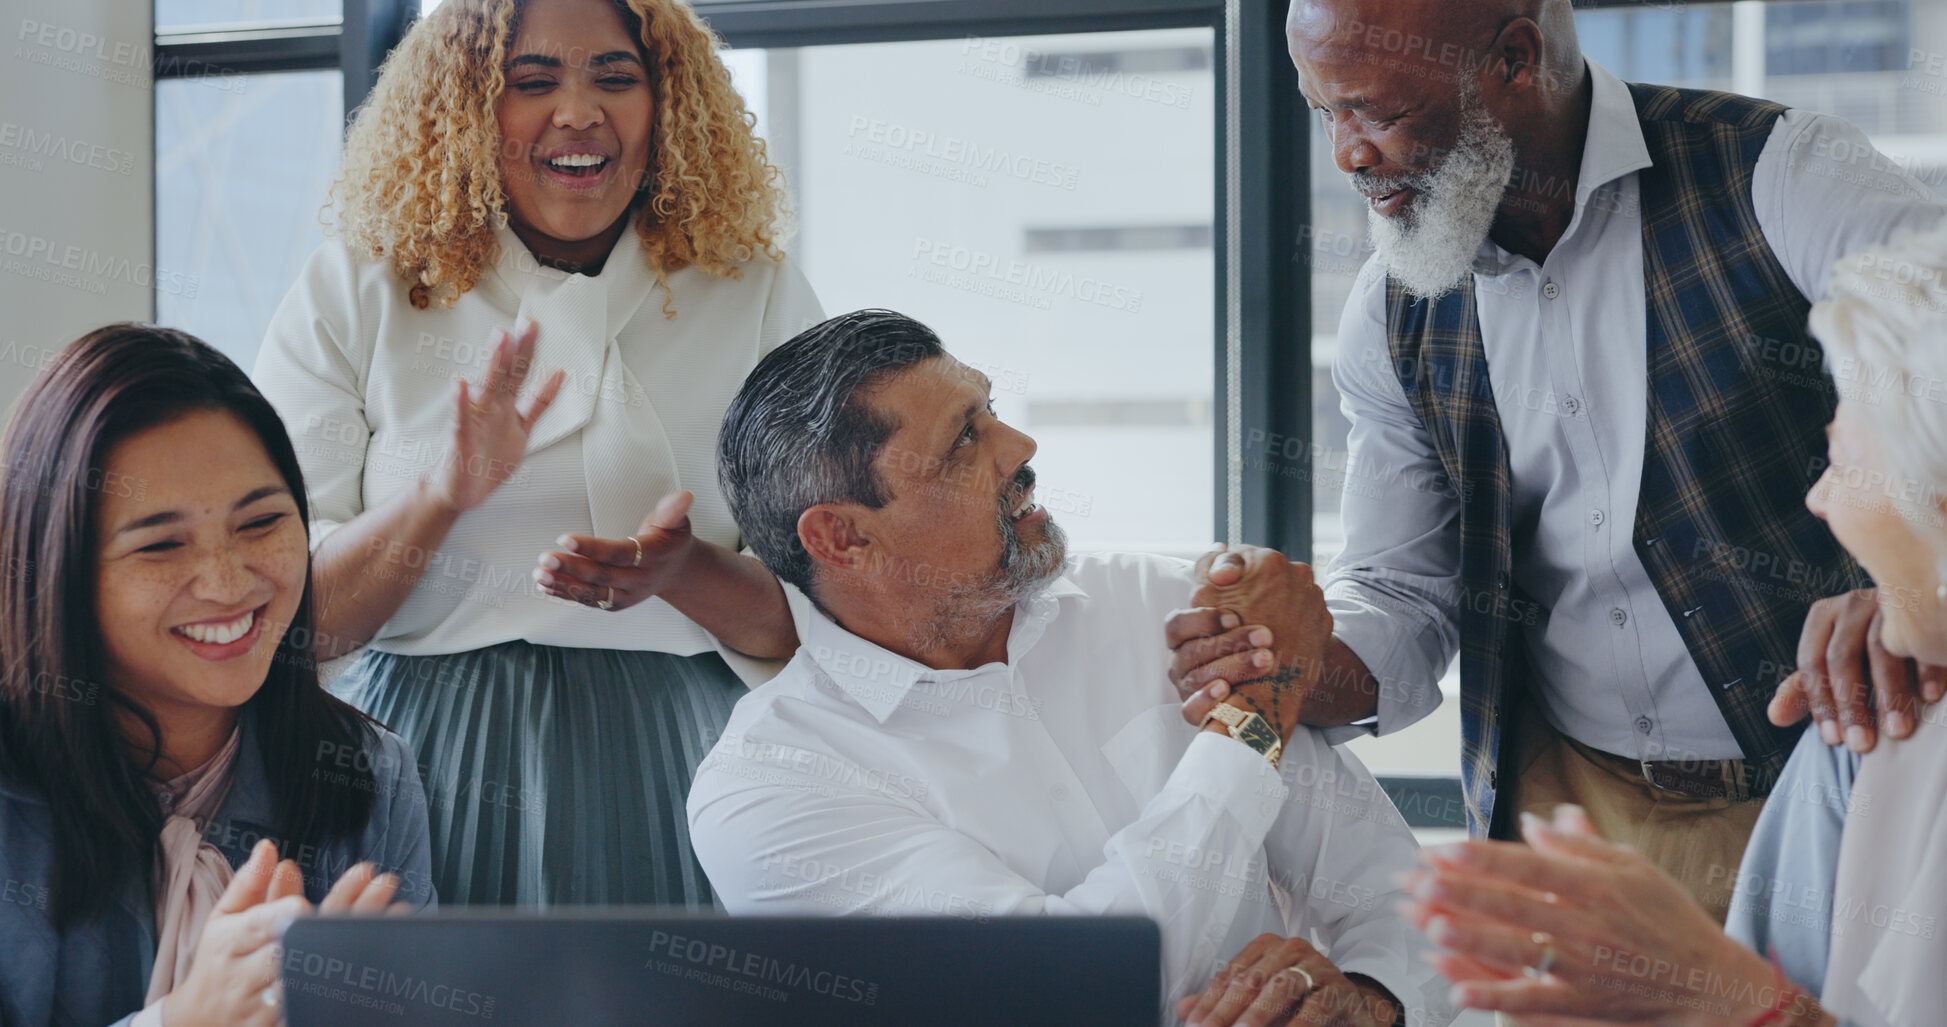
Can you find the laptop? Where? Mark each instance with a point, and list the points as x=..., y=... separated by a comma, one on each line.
x=622, y=966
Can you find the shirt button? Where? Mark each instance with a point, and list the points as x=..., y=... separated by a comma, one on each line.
x=1596, y=518
x=1551, y=290
x=1643, y=724
x=1618, y=617
x=1060, y=792
x=1570, y=405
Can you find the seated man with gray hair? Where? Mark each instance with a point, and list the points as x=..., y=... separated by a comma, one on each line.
x=978, y=724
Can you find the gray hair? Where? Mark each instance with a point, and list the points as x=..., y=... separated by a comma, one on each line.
x=1883, y=324
x=799, y=432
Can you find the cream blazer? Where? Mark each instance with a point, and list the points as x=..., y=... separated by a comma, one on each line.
x=366, y=384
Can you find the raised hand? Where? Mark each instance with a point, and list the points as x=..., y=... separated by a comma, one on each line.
x=490, y=426
x=615, y=574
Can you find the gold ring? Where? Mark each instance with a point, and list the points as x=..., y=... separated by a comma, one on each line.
x=638, y=550
x=1300, y=971
x=609, y=603
x=478, y=409
x=1547, y=962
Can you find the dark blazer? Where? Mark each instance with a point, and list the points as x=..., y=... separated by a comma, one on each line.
x=97, y=973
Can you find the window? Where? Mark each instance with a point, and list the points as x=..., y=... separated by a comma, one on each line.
x=242, y=166
x=177, y=14
x=250, y=101
x=939, y=199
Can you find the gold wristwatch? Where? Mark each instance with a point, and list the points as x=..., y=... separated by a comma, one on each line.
x=1250, y=729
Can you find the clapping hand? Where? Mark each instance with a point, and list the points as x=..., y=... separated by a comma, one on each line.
x=491, y=428
x=615, y=574
x=234, y=978
x=1571, y=929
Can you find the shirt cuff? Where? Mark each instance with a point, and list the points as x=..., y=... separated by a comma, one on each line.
x=1389, y=641
x=149, y=1017
x=1421, y=995
x=1233, y=777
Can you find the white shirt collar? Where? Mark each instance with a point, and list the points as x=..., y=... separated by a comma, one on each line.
x=1613, y=147
x=879, y=679
x=625, y=277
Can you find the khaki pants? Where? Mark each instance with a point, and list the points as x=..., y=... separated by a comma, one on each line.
x=1700, y=842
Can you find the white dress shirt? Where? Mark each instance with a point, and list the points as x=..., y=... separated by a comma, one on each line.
x=1063, y=781
x=1566, y=354
x=366, y=385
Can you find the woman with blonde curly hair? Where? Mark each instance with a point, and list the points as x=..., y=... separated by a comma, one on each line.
x=576, y=183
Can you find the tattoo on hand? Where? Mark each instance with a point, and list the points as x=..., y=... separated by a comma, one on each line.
x=1281, y=681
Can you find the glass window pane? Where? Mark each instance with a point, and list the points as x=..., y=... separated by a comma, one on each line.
x=1046, y=204
x=242, y=166
x=174, y=14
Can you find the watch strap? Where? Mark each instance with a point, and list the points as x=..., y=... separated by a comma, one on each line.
x=1249, y=728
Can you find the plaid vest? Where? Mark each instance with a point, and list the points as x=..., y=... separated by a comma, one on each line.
x=1738, y=402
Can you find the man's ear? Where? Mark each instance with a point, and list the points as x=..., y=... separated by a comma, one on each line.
x=1514, y=61
x=832, y=535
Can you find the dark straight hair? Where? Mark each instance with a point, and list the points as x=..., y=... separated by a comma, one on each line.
x=60, y=734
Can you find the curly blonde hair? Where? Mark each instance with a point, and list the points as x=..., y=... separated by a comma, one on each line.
x=420, y=187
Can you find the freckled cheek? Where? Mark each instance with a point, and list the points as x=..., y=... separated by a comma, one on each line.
x=285, y=563
x=131, y=601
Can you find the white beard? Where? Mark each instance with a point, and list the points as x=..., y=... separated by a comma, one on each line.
x=1429, y=248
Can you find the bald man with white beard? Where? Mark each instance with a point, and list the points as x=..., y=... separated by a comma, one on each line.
x=1578, y=370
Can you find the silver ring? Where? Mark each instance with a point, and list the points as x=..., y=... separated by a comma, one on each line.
x=1547, y=963
x=608, y=603
x=638, y=550
x=268, y=996
x=1300, y=971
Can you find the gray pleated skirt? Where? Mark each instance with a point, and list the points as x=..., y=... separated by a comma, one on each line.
x=555, y=776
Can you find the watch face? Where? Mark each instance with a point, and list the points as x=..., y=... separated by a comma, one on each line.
x=1257, y=734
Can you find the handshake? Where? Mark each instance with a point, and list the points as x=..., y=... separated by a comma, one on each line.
x=1257, y=636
